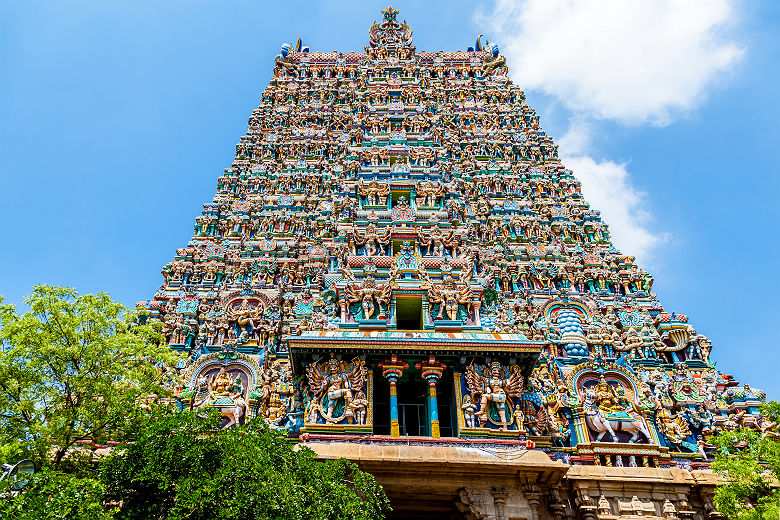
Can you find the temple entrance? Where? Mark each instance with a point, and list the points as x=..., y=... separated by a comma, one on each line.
x=381, y=404
x=446, y=402
x=413, y=408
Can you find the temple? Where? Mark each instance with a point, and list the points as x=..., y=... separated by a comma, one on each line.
x=397, y=269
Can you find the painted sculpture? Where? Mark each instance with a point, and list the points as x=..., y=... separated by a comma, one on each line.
x=495, y=388
x=338, y=390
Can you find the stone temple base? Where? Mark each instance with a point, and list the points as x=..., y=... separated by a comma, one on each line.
x=440, y=481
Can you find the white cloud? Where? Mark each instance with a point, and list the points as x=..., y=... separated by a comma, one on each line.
x=607, y=187
x=631, y=61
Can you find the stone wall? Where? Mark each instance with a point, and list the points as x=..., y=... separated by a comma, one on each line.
x=489, y=484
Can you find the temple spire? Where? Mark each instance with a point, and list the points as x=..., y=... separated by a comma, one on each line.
x=397, y=250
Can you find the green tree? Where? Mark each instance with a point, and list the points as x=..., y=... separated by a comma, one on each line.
x=72, y=368
x=182, y=466
x=55, y=495
x=76, y=368
x=749, y=463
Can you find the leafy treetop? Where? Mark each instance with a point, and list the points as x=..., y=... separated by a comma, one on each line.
x=72, y=368
x=749, y=462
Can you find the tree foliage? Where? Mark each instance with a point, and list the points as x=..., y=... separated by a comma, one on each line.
x=72, y=368
x=55, y=495
x=182, y=466
x=77, y=368
x=749, y=463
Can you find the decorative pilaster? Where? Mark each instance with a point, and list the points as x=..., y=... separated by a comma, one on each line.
x=392, y=370
x=431, y=372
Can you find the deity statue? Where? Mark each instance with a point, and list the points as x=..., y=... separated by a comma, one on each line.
x=673, y=425
x=608, y=409
x=371, y=297
x=450, y=297
x=373, y=241
x=606, y=396
x=469, y=410
x=220, y=384
x=519, y=418
x=556, y=419
x=633, y=344
x=275, y=391
x=227, y=394
x=358, y=406
x=374, y=192
x=435, y=240
x=246, y=315
x=428, y=193
x=334, y=384
x=495, y=387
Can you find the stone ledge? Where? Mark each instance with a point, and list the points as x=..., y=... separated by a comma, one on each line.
x=433, y=454
x=643, y=475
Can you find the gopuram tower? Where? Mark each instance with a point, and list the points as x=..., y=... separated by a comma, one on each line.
x=397, y=269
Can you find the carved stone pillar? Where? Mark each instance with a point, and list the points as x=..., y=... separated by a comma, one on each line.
x=557, y=507
x=534, y=498
x=499, y=500
x=392, y=370
x=431, y=372
x=586, y=506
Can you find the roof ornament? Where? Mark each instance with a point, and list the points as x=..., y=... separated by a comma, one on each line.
x=390, y=33
x=485, y=45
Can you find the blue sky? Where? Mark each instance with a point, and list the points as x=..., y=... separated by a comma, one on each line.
x=116, y=118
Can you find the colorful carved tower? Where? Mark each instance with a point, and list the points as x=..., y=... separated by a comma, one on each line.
x=397, y=258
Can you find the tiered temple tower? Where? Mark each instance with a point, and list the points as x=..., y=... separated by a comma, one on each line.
x=398, y=269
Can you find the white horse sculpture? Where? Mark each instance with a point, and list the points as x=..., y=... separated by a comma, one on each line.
x=597, y=420
x=233, y=411
x=233, y=407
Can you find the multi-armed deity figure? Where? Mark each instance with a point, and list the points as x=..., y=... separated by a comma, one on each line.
x=450, y=296
x=371, y=297
x=428, y=193
x=436, y=241
x=374, y=242
x=495, y=387
x=334, y=385
x=375, y=193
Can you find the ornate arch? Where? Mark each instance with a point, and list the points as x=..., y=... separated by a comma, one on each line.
x=242, y=362
x=553, y=307
x=611, y=372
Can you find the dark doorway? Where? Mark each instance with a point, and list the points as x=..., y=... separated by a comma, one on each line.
x=408, y=313
x=413, y=408
x=381, y=404
x=446, y=404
